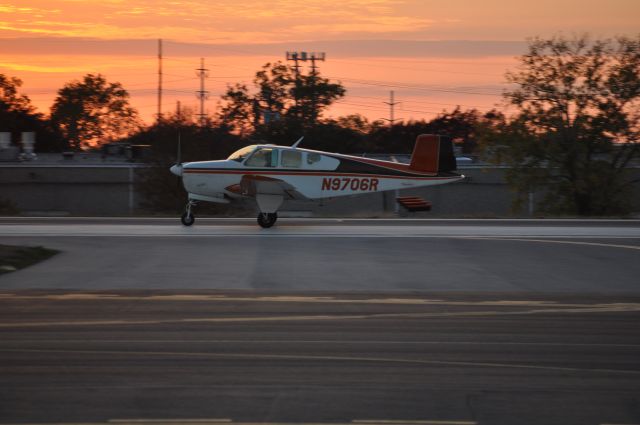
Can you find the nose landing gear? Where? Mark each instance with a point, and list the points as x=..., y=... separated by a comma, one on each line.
x=187, y=217
x=267, y=220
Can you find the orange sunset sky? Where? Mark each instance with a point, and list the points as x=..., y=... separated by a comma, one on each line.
x=433, y=54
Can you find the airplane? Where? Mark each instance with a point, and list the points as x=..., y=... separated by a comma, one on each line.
x=272, y=174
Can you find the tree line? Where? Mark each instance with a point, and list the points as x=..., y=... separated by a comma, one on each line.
x=570, y=130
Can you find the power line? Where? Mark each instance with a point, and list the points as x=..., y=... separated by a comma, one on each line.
x=364, y=63
x=395, y=84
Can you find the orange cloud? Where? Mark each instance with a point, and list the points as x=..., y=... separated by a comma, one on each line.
x=201, y=20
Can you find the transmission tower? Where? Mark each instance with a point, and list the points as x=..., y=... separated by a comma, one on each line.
x=202, y=94
x=295, y=57
x=313, y=57
x=392, y=105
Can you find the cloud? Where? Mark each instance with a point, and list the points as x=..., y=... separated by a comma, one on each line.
x=203, y=20
x=333, y=48
x=41, y=68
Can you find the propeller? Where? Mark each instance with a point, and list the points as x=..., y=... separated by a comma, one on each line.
x=177, y=168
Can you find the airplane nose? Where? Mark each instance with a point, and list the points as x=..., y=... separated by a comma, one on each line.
x=176, y=169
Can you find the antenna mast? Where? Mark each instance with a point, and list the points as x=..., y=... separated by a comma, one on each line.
x=159, y=115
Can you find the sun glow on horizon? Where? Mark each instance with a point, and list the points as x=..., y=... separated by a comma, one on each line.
x=47, y=43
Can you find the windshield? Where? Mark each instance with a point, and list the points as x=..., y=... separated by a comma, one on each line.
x=241, y=154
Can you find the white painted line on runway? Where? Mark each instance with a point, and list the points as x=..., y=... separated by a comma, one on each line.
x=299, y=341
x=607, y=245
x=319, y=231
x=168, y=421
x=218, y=421
x=249, y=356
x=410, y=422
x=330, y=219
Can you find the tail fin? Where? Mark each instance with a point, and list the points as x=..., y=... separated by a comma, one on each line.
x=433, y=154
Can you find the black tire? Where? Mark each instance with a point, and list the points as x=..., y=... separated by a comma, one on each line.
x=187, y=219
x=266, y=220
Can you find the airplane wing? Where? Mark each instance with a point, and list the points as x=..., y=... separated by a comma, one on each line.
x=268, y=191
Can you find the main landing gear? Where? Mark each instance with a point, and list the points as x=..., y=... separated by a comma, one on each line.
x=267, y=220
x=187, y=217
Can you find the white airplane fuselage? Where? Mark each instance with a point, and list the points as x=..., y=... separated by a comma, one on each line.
x=312, y=174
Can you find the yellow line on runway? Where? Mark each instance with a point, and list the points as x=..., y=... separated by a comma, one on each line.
x=83, y=296
x=324, y=358
x=613, y=308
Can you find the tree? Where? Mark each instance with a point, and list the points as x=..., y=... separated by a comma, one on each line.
x=17, y=114
x=10, y=100
x=282, y=100
x=161, y=190
x=577, y=124
x=93, y=111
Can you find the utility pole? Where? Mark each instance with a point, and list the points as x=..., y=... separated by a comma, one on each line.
x=202, y=94
x=304, y=57
x=392, y=105
x=159, y=116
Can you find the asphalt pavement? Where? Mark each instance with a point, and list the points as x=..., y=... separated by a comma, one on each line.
x=333, y=255
x=247, y=357
x=447, y=322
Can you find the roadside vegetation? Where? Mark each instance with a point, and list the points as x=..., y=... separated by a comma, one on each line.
x=14, y=258
x=569, y=128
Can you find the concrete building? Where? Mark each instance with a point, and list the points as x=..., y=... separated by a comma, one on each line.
x=105, y=185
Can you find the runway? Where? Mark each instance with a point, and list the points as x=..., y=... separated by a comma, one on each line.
x=210, y=356
x=334, y=255
x=431, y=322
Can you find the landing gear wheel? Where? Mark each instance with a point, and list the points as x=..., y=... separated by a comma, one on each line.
x=187, y=219
x=267, y=220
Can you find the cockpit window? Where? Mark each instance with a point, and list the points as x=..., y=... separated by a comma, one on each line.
x=291, y=159
x=241, y=154
x=313, y=157
x=263, y=157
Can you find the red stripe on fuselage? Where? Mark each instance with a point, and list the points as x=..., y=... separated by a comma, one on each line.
x=325, y=174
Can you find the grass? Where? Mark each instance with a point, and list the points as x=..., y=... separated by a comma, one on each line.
x=18, y=257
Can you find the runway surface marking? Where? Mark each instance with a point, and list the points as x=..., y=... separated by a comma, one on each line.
x=80, y=296
x=379, y=230
x=606, y=245
x=318, y=341
x=613, y=308
x=401, y=422
x=170, y=421
x=325, y=358
x=229, y=421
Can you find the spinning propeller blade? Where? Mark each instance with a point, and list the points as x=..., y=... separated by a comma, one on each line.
x=177, y=168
